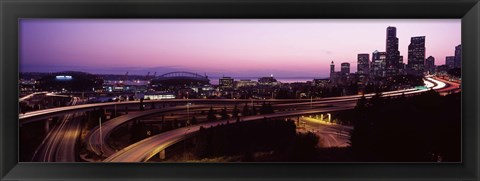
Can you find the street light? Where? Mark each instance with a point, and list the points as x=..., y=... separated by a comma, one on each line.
x=311, y=101
x=101, y=137
x=116, y=108
x=188, y=114
x=185, y=145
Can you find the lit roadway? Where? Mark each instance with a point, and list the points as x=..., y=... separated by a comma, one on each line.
x=30, y=96
x=145, y=149
x=448, y=86
x=330, y=134
x=96, y=139
x=59, y=144
x=172, y=137
x=41, y=115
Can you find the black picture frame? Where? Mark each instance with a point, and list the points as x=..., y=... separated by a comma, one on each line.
x=12, y=10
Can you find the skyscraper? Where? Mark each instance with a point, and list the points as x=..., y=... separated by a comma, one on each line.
x=392, y=52
x=450, y=62
x=430, y=65
x=363, y=63
x=332, y=68
x=458, y=56
x=378, y=63
x=333, y=74
x=345, y=68
x=401, y=65
x=416, y=55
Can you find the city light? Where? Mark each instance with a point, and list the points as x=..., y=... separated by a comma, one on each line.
x=295, y=92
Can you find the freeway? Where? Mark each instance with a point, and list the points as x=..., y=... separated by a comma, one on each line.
x=30, y=96
x=59, y=144
x=60, y=111
x=97, y=137
x=330, y=134
x=68, y=130
x=145, y=149
x=448, y=86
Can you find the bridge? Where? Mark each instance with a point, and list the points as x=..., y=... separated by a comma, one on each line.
x=145, y=149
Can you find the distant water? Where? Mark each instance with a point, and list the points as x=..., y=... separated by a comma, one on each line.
x=214, y=80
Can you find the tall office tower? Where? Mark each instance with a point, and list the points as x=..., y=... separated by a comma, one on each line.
x=458, y=56
x=378, y=63
x=401, y=65
x=345, y=68
x=416, y=55
x=450, y=62
x=392, y=65
x=332, y=68
x=332, y=72
x=363, y=63
x=430, y=65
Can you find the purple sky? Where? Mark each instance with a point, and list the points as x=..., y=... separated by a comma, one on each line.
x=283, y=48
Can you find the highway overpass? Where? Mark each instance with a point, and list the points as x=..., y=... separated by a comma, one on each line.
x=145, y=149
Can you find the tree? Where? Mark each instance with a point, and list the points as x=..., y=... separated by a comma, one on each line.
x=254, y=110
x=266, y=108
x=235, y=111
x=138, y=131
x=246, y=110
x=36, y=107
x=113, y=114
x=377, y=99
x=456, y=72
x=194, y=120
x=141, y=104
x=361, y=103
x=263, y=108
x=224, y=113
x=269, y=109
x=211, y=115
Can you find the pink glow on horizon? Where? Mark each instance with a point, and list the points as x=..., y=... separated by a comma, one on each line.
x=237, y=47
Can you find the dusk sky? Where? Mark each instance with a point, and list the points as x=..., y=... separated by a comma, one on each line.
x=284, y=48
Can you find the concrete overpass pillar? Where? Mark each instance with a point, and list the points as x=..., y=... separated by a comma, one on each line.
x=161, y=154
x=321, y=117
x=47, y=125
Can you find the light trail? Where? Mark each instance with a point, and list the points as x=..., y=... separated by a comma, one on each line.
x=439, y=84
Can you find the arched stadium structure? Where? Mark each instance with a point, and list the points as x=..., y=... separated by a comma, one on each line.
x=179, y=79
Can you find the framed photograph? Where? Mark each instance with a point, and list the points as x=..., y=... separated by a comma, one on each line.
x=271, y=90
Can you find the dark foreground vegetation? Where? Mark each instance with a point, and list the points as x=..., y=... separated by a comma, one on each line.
x=254, y=141
x=424, y=128
x=421, y=128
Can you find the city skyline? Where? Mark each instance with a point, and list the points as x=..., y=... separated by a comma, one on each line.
x=237, y=47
